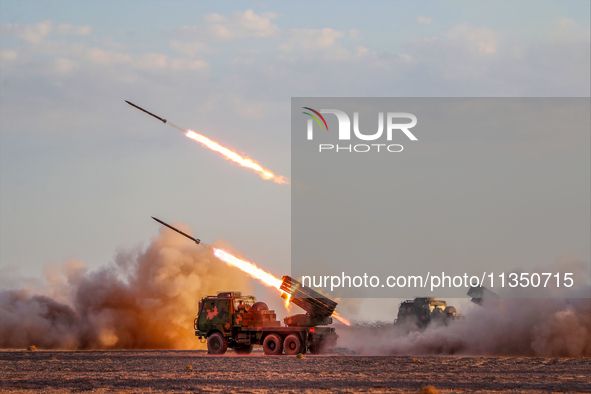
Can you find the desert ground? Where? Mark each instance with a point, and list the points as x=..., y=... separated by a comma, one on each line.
x=159, y=371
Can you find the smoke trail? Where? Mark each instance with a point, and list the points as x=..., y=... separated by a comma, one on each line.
x=145, y=300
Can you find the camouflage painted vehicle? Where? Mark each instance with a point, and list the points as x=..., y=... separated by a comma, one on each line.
x=231, y=320
x=422, y=311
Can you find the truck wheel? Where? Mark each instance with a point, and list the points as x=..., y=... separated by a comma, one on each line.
x=293, y=345
x=243, y=349
x=217, y=344
x=273, y=345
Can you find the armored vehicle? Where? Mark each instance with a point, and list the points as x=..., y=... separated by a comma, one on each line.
x=231, y=320
x=420, y=312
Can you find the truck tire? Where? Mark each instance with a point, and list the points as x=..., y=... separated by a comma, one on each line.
x=243, y=349
x=293, y=345
x=217, y=344
x=273, y=345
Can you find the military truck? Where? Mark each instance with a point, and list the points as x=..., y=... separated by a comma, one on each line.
x=231, y=320
x=422, y=311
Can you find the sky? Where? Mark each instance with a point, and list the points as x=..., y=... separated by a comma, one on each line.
x=81, y=172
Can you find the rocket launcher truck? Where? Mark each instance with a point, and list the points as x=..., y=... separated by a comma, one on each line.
x=231, y=320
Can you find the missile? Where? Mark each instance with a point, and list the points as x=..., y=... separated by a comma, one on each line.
x=157, y=117
x=197, y=241
x=148, y=112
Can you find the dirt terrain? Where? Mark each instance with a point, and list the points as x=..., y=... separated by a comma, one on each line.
x=196, y=372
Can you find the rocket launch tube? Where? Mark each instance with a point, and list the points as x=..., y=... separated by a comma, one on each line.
x=316, y=304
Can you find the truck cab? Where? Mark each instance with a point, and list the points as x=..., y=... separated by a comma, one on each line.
x=222, y=312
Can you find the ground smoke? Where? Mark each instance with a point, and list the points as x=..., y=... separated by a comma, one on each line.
x=145, y=300
x=510, y=327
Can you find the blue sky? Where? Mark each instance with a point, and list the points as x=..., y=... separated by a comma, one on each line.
x=82, y=172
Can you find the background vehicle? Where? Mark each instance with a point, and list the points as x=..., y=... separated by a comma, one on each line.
x=423, y=311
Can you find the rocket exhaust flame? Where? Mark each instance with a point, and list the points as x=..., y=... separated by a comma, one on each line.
x=341, y=319
x=235, y=157
x=261, y=275
x=248, y=267
x=227, y=153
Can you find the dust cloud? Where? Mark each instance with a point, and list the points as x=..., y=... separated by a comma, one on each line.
x=536, y=327
x=145, y=299
x=509, y=327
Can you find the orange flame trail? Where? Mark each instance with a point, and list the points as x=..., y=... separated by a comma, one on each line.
x=340, y=318
x=248, y=267
x=228, y=154
x=235, y=157
x=261, y=275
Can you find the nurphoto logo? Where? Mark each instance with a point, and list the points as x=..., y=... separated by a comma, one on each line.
x=393, y=125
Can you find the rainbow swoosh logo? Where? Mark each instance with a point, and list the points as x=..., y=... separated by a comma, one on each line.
x=315, y=118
